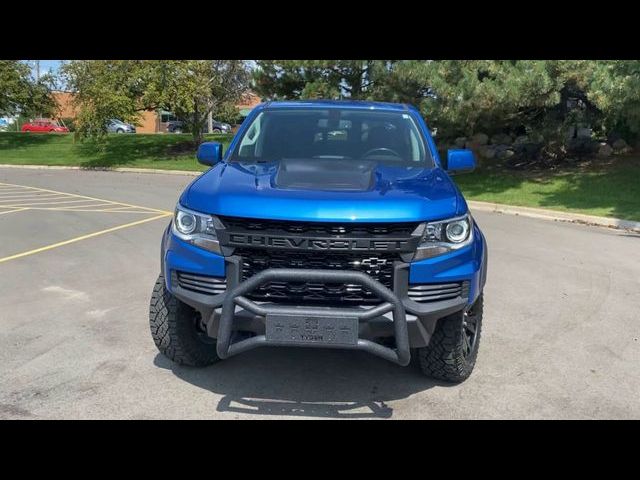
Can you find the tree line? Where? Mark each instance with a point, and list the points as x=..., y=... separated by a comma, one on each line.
x=541, y=99
x=544, y=100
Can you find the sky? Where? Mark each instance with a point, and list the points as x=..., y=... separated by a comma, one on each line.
x=45, y=65
x=53, y=66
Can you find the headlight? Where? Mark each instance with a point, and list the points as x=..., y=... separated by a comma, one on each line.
x=444, y=236
x=458, y=231
x=195, y=228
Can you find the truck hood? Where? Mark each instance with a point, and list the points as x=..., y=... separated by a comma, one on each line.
x=325, y=190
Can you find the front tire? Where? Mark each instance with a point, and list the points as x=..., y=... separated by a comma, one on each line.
x=453, y=349
x=177, y=329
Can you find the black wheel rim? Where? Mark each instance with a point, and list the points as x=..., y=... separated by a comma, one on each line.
x=469, y=332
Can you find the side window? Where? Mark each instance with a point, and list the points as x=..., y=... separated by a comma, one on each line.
x=415, y=145
x=249, y=146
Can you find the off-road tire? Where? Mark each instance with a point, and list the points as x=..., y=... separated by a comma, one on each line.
x=444, y=358
x=173, y=328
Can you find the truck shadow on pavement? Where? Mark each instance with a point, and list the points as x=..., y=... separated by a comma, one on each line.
x=302, y=382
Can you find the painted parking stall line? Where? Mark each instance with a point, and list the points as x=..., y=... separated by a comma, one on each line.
x=80, y=238
x=21, y=199
x=65, y=197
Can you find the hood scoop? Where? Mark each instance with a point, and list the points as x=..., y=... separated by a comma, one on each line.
x=325, y=174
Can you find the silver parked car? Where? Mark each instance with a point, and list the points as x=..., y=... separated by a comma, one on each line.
x=118, y=126
x=178, y=126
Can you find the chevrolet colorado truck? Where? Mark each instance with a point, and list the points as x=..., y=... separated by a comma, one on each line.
x=328, y=224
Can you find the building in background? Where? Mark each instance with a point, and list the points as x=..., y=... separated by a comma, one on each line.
x=151, y=121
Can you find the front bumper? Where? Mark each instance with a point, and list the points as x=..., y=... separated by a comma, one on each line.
x=408, y=322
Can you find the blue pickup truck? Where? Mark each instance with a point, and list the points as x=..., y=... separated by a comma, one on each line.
x=325, y=224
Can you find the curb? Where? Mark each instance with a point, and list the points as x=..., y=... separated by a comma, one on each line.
x=105, y=169
x=555, y=215
x=476, y=205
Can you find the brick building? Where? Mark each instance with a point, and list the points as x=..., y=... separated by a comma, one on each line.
x=151, y=121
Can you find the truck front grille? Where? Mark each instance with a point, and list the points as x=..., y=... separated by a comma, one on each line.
x=379, y=266
x=371, y=248
x=322, y=229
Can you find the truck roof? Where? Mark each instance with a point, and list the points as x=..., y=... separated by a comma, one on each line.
x=336, y=103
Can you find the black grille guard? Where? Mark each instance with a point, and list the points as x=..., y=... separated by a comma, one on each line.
x=391, y=303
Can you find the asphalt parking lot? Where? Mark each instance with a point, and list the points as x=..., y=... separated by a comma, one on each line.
x=79, y=254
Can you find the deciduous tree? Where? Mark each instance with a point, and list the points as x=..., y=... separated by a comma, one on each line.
x=21, y=93
x=124, y=88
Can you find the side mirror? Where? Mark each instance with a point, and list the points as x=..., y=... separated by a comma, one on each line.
x=209, y=153
x=460, y=161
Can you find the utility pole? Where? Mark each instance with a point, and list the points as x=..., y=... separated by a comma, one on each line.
x=38, y=76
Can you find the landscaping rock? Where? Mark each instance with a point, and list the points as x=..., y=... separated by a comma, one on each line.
x=613, y=136
x=480, y=139
x=521, y=139
x=619, y=144
x=582, y=146
x=501, y=139
x=505, y=154
x=487, y=152
x=605, y=150
x=528, y=150
x=460, y=142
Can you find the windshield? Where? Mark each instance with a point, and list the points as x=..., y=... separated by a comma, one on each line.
x=385, y=137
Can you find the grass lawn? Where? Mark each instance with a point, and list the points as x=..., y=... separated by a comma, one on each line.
x=608, y=188
x=603, y=187
x=169, y=152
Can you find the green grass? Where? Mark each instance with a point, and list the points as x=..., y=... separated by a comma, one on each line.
x=167, y=152
x=609, y=188
x=606, y=188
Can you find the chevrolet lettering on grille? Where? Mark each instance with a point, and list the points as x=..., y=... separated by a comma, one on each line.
x=305, y=243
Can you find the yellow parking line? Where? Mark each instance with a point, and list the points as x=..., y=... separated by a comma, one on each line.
x=14, y=192
x=91, y=198
x=4, y=191
x=83, y=237
x=120, y=209
x=55, y=202
x=24, y=192
x=82, y=208
x=89, y=210
x=91, y=205
x=30, y=197
x=16, y=210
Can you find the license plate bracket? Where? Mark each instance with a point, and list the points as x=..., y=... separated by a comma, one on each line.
x=310, y=329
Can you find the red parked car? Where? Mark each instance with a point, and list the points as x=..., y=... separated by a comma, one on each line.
x=44, y=125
